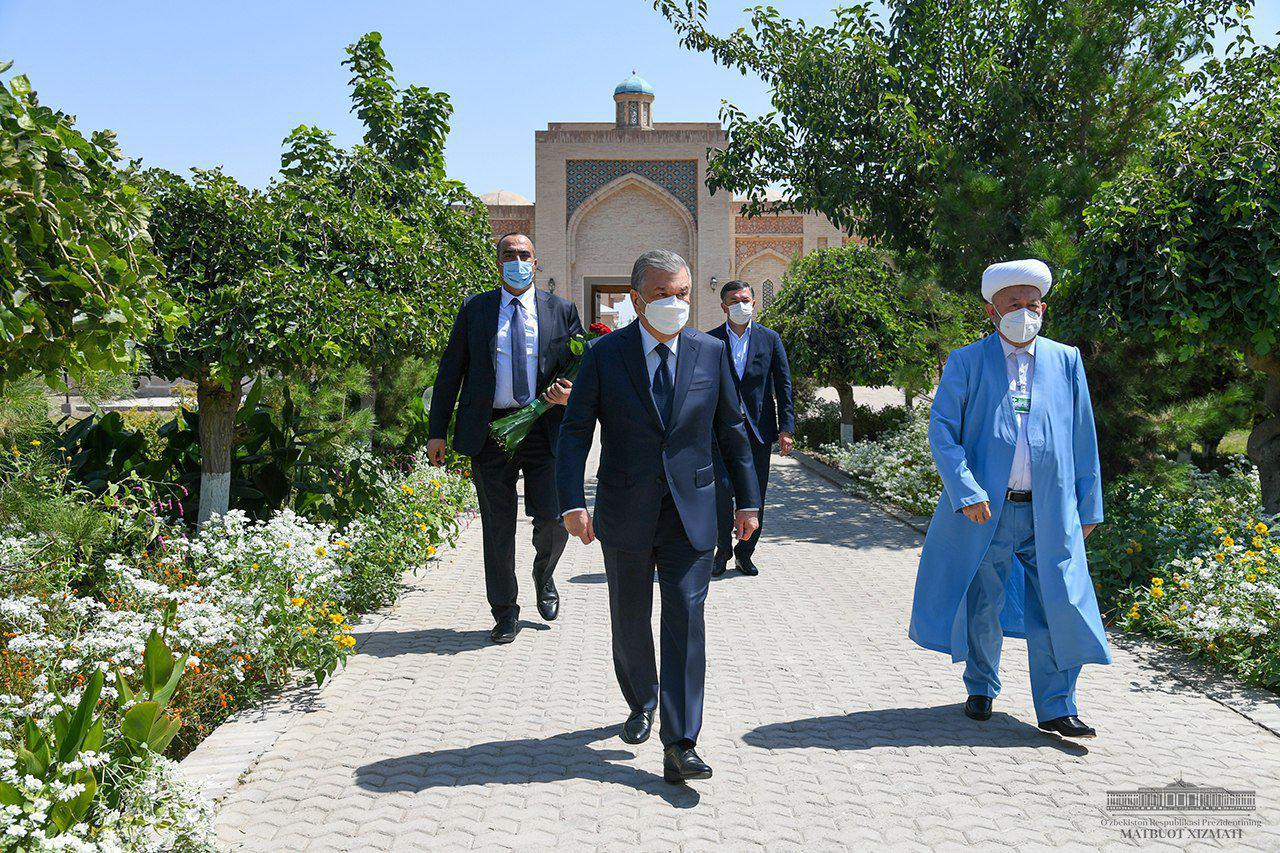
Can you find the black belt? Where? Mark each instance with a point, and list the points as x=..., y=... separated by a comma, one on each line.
x=1018, y=497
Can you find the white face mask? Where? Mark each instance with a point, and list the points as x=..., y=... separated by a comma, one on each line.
x=667, y=315
x=741, y=312
x=1020, y=326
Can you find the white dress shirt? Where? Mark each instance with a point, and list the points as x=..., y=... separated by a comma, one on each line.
x=1020, y=366
x=738, y=347
x=649, y=344
x=503, y=393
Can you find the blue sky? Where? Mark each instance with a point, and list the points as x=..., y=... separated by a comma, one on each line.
x=203, y=84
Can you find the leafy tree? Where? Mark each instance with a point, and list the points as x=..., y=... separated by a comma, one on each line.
x=384, y=218
x=841, y=318
x=1184, y=250
x=963, y=132
x=78, y=279
x=253, y=307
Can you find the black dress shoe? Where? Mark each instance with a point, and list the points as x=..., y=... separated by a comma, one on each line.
x=505, y=631
x=548, y=598
x=1070, y=726
x=978, y=708
x=637, y=727
x=681, y=764
x=718, y=568
x=747, y=567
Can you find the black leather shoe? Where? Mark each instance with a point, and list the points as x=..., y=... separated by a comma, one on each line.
x=747, y=567
x=681, y=764
x=978, y=708
x=1071, y=726
x=548, y=598
x=718, y=568
x=637, y=727
x=505, y=631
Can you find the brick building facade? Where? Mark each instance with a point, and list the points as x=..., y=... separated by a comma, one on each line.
x=608, y=191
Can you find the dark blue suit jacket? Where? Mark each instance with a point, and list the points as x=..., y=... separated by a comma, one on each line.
x=639, y=460
x=467, y=366
x=765, y=386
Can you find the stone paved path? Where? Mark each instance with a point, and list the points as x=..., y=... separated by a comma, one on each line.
x=827, y=728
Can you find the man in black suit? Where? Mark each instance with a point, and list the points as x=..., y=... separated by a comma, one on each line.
x=763, y=379
x=506, y=344
x=659, y=390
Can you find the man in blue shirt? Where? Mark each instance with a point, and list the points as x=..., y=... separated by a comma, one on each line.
x=763, y=380
x=505, y=344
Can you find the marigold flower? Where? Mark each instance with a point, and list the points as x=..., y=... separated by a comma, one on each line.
x=1157, y=593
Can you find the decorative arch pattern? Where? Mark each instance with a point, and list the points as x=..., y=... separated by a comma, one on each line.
x=583, y=178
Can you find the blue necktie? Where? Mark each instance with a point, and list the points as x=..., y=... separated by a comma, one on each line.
x=663, y=394
x=519, y=358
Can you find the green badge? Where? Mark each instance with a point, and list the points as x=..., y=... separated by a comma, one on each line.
x=1021, y=402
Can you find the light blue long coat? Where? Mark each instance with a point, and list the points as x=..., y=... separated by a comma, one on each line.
x=972, y=431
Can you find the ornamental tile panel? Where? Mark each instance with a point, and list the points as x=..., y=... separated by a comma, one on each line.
x=769, y=225
x=506, y=226
x=584, y=177
x=788, y=247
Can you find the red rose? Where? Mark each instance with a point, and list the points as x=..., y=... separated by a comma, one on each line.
x=599, y=329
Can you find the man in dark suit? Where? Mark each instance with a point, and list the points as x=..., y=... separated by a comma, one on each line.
x=506, y=344
x=763, y=379
x=659, y=390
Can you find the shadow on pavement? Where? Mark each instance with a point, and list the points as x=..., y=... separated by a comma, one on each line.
x=812, y=510
x=944, y=725
x=592, y=577
x=521, y=762
x=430, y=641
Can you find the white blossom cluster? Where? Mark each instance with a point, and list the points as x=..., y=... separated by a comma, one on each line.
x=896, y=467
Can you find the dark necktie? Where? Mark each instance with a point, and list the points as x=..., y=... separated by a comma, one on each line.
x=663, y=393
x=519, y=359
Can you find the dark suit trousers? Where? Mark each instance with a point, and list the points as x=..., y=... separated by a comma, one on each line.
x=683, y=576
x=495, y=472
x=760, y=455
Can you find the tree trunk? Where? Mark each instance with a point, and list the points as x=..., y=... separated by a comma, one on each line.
x=847, y=409
x=217, y=408
x=1264, y=441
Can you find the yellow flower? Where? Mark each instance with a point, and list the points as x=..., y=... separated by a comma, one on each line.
x=343, y=543
x=297, y=601
x=1258, y=542
x=1251, y=577
x=1260, y=529
x=1157, y=593
x=288, y=544
x=17, y=452
x=1220, y=557
x=1262, y=570
x=1128, y=550
x=1219, y=530
x=336, y=618
x=431, y=549
x=35, y=442
x=406, y=488
x=423, y=527
x=417, y=514
x=1227, y=542
x=1185, y=585
x=254, y=566
x=1157, y=581
x=320, y=551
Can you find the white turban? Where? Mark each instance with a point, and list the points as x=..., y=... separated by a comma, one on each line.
x=1029, y=272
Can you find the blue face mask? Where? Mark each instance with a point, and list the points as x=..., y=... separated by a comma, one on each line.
x=517, y=274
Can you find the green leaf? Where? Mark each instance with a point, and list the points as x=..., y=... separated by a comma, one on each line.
x=82, y=720
x=138, y=721
x=157, y=664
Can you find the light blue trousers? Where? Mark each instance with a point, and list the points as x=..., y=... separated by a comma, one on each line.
x=1053, y=690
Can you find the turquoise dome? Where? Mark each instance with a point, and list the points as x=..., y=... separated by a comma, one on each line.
x=635, y=84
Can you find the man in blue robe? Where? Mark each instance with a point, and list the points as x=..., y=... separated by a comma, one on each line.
x=1012, y=434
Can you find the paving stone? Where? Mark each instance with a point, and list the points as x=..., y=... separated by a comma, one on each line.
x=827, y=728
